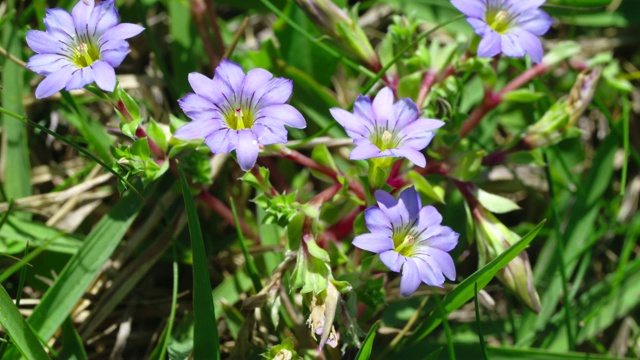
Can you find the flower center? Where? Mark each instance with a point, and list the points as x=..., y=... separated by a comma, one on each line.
x=403, y=243
x=499, y=21
x=240, y=119
x=85, y=54
x=384, y=139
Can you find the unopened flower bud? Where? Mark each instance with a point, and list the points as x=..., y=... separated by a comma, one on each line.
x=336, y=23
x=557, y=123
x=493, y=239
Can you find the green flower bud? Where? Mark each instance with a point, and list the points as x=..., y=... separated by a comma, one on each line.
x=557, y=123
x=493, y=239
x=336, y=23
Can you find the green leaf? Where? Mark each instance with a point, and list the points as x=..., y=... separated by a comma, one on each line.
x=22, y=336
x=522, y=96
x=62, y=297
x=496, y=203
x=15, y=145
x=205, y=340
x=156, y=134
x=465, y=291
x=367, y=345
x=72, y=348
x=425, y=188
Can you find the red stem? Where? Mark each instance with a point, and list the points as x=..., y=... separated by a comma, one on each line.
x=221, y=209
x=311, y=164
x=211, y=9
x=425, y=87
x=155, y=149
x=491, y=99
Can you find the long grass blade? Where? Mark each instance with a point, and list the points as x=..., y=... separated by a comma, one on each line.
x=21, y=335
x=367, y=345
x=465, y=291
x=205, y=341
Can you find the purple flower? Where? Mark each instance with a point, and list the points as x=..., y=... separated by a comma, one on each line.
x=80, y=48
x=508, y=26
x=409, y=238
x=383, y=128
x=234, y=111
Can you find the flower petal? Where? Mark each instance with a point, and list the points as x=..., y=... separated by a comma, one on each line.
x=531, y=45
x=269, y=135
x=253, y=82
x=511, y=45
x=81, y=14
x=45, y=64
x=444, y=261
x=197, y=130
x=480, y=27
x=429, y=272
x=247, y=149
x=428, y=217
x=105, y=75
x=80, y=78
x=364, y=150
x=410, y=278
x=282, y=113
x=373, y=242
x=54, y=82
x=198, y=108
x=471, y=8
x=44, y=43
x=232, y=73
x=121, y=32
x=355, y=126
x=114, y=52
x=222, y=141
x=377, y=222
x=536, y=22
x=411, y=154
x=444, y=238
x=363, y=109
x=411, y=201
x=59, y=20
x=103, y=17
x=276, y=91
x=404, y=111
x=490, y=45
x=382, y=106
x=392, y=260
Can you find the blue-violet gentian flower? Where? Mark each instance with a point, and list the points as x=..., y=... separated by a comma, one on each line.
x=508, y=26
x=80, y=48
x=234, y=111
x=383, y=128
x=409, y=238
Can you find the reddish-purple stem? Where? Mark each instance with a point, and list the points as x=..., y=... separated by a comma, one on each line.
x=225, y=213
x=492, y=99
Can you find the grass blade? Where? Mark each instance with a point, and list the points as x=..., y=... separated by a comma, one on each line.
x=483, y=345
x=367, y=345
x=72, y=348
x=464, y=292
x=21, y=334
x=15, y=150
x=73, y=145
x=205, y=341
x=58, y=302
